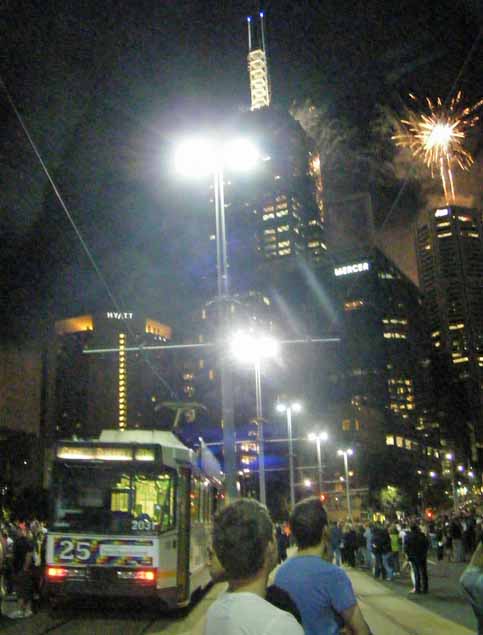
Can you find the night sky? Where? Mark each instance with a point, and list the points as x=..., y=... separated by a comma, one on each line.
x=105, y=88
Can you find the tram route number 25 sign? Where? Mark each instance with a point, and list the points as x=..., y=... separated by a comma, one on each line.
x=98, y=551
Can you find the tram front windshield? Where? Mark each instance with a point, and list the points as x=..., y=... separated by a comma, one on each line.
x=112, y=499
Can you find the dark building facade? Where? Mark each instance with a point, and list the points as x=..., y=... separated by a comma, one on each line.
x=113, y=389
x=380, y=381
x=449, y=248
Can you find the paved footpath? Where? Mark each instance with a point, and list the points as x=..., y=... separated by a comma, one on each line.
x=389, y=613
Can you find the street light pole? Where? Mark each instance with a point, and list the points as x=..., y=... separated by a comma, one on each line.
x=252, y=348
x=226, y=377
x=261, y=439
x=318, y=437
x=345, y=454
x=290, y=457
x=288, y=409
x=201, y=157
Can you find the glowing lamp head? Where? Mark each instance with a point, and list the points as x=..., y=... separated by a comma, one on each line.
x=449, y=456
x=296, y=407
x=195, y=158
x=250, y=349
x=240, y=155
x=307, y=482
x=432, y=474
x=281, y=407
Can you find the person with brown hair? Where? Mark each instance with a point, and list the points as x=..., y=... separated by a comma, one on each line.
x=245, y=545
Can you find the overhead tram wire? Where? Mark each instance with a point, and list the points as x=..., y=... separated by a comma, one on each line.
x=448, y=98
x=78, y=233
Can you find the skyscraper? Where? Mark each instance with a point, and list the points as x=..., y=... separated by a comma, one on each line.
x=276, y=214
x=450, y=263
x=112, y=389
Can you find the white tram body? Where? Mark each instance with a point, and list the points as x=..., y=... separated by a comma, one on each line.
x=131, y=516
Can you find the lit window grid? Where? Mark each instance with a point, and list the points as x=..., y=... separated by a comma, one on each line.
x=122, y=399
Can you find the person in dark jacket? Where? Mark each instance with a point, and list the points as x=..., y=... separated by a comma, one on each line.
x=416, y=548
x=381, y=547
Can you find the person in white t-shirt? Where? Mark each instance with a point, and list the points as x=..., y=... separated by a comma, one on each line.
x=245, y=544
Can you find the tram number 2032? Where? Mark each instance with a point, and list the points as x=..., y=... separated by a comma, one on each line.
x=74, y=549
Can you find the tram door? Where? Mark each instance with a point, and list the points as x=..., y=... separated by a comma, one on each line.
x=184, y=521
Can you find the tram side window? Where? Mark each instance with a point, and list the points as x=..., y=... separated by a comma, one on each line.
x=195, y=498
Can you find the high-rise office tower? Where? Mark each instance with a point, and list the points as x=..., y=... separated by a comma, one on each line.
x=450, y=264
x=380, y=383
x=113, y=389
x=275, y=214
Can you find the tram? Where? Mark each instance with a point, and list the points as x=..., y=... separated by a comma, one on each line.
x=131, y=516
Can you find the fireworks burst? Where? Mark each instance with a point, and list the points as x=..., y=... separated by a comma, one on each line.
x=436, y=135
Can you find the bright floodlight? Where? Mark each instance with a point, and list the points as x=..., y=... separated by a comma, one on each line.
x=296, y=407
x=312, y=436
x=349, y=452
x=281, y=407
x=250, y=349
x=195, y=157
x=324, y=436
x=449, y=456
x=240, y=155
x=321, y=436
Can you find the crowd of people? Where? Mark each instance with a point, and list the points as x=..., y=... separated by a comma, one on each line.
x=22, y=560
x=311, y=587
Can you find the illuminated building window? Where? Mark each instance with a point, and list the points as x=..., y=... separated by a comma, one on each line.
x=203, y=314
x=439, y=213
x=407, y=444
x=211, y=375
x=269, y=231
x=465, y=219
x=270, y=239
x=444, y=235
x=427, y=247
x=389, y=439
x=353, y=305
x=472, y=235
x=460, y=360
x=283, y=228
x=201, y=363
x=268, y=216
x=399, y=442
x=455, y=327
x=284, y=243
x=282, y=213
x=284, y=252
x=346, y=425
x=280, y=198
x=445, y=224
x=266, y=300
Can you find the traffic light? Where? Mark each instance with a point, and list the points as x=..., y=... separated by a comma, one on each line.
x=324, y=498
x=429, y=514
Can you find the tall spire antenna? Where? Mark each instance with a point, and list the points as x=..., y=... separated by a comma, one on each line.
x=257, y=65
x=249, y=23
x=262, y=28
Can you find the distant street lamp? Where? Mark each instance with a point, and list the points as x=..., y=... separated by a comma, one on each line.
x=253, y=348
x=198, y=157
x=294, y=408
x=345, y=454
x=318, y=437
